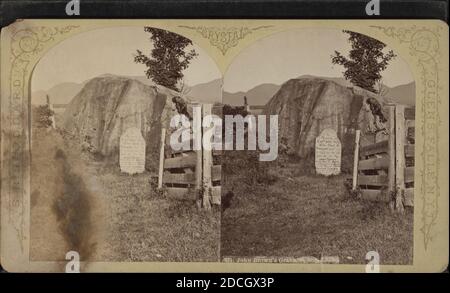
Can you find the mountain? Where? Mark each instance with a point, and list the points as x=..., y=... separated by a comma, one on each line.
x=59, y=94
x=259, y=95
x=208, y=92
x=38, y=97
x=211, y=92
x=306, y=106
x=108, y=105
x=63, y=93
x=403, y=94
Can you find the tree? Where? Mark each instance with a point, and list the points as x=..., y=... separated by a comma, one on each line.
x=365, y=62
x=167, y=59
x=44, y=116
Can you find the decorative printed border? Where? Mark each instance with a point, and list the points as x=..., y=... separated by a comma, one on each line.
x=224, y=38
x=424, y=46
x=25, y=44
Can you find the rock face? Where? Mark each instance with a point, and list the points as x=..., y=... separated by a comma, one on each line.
x=108, y=105
x=307, y=106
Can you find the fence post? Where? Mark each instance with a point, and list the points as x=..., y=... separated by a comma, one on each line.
x=399, y=156
x=161, y=157
x=392, y=154
x=53, y=116
x=197, y=144
x=356, y=159
x=50, y=107
x=207, y=163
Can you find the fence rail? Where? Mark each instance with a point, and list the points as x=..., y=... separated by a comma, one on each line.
x=191, y=174
x=384, y=170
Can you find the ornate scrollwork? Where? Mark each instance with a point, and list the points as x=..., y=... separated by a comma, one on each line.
x=26, y=43
x=424, y=46
x=224, y=38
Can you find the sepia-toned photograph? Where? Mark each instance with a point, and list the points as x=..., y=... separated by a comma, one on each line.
x=345, y=106
x=99, y=108
x=184, y=145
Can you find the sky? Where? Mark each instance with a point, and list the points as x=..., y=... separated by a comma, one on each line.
x=108, y=50
x=274, y=59
x=282, y=56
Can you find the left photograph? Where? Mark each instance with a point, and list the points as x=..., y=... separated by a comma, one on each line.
x=104, y=180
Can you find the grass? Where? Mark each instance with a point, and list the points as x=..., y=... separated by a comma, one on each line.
x=302, y=214
x=278, y=209
x=148, y=227
x=127, y=219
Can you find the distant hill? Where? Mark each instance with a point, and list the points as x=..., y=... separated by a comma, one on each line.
x=208, y=92
x=38, y=97
x=261, y=94
x=63, y=93
x=258, y=95
x=403, y=94
x=59, y=94
x=211, y=92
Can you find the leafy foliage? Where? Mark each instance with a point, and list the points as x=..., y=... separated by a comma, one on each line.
x=43, y=117
x=233, y=162
x=167, y=59
x=365, y=62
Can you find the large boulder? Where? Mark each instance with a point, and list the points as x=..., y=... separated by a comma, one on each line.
x=306, y=106
x=108, y=105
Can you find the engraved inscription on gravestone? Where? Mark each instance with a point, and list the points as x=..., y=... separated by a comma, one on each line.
x=328, y=153
x=132, y=151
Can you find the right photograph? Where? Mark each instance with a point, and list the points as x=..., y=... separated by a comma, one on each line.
x=332, y=178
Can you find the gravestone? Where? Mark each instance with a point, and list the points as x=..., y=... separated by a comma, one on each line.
x=328, y=153
x=132, y=151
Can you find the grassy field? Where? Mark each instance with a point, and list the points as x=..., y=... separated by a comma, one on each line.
x=302, y=214
x=83, y=204
x=282, y=209
x=148, y=227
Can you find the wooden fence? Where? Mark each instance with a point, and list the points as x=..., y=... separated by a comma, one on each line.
x=191, y=174
x=384, y=170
